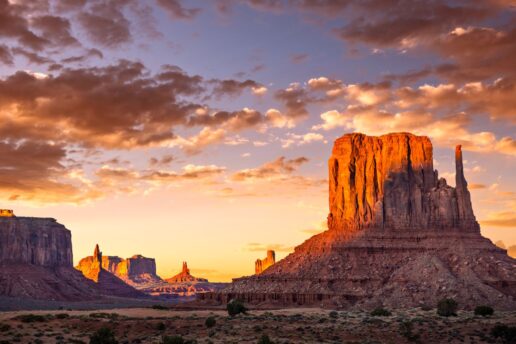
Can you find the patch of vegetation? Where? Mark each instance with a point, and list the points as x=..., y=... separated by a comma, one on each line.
x=380, y=312
x=210, y=322
x=264, y=339
x=173, y=340
x=5, y=327
x=62, y=316
x=406, y=330
x=161, y=326
x=160, y=307
x=103, y=335
x=334, y=314
x=506, y=333
x=447, y=307
x=484, y=311
x=235, y=307
x=30, y=318
x=104, y=315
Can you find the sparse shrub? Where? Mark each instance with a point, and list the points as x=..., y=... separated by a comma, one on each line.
x=506, y=333
x=380, y=312
x=112, y=316
x=447, y=307
x=210, y=322
x=160, y=307
x=406, y=330
x=235, y=307
x=103, y=335
x=30, y=318
x=265, y=340
x=173, y=340
x=5, y=327
x=160, y=326
x=484, y=311
x=62, y=316
x=334, y=314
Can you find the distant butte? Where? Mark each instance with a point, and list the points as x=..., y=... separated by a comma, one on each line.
x=185, y=276
x=399, y=236
x=262, y=264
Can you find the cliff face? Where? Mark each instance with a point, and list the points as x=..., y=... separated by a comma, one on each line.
x=262, y=264
x=388, y=182
x=36, y=241
x=185, y=276
x=398, y=237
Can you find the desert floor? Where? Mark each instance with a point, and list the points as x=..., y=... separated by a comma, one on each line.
x=299, y=325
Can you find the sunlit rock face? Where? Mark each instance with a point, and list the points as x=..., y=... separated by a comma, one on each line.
x=398, y=237
x=262, y=264
x=389, y=182
x=185, y=276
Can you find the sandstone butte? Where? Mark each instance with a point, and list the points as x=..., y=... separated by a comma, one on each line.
x=36, y=262
x=262, y=264
x=399, y=236
x=185, y=276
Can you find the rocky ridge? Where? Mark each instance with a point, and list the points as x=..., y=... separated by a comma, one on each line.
x=398, y=237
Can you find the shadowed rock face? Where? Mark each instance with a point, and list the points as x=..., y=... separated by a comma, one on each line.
x=389, y=182
x=398, y=237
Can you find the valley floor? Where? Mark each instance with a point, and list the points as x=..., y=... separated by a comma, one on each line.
x=298, y=325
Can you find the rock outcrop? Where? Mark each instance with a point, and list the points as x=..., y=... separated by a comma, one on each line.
x=36, y=261
x=398, y=237
x=185, y=276
x=262, y=264
x=93, y=268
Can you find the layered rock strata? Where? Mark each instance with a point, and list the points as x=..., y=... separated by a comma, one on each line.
x=262, y=264
x=398, y=237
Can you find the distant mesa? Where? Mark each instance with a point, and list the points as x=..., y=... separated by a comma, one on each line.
x=262, y=264
x=511, y=250
x=398, y=236
x=185, y=276
x=6, y=213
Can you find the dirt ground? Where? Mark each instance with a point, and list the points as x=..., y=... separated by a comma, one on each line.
x=299, y=325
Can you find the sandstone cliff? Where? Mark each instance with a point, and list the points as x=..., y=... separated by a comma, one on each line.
x=261, y=264
x=398, y=237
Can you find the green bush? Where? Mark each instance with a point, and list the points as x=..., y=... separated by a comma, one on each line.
x=334, y=314
x=103, y=335
x=29, y=318
x=210, y=322
x=506, y=333
x=380, y=312
x=235, y=307
x=173, y=340
x=265, y=340
x=484, y=311
x=406, y=330
x=62, y=316
x=447, y=307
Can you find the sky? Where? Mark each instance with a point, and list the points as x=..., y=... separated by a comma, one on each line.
x=199, y=131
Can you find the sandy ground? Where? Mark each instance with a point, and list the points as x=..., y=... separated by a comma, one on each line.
x=297, y=325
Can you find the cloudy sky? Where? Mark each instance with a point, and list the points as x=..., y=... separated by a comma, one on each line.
x=200, y=130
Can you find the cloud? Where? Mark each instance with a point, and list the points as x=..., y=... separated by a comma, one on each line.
x=300, y=140
x=234, y=87
x=299, y=58
x=176, y=10
x=500, y=219
x=276, y=169
x=258, y=247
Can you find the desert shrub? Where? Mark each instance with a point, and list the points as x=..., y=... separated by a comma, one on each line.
x=62, y=316
x=104, y=315
x=447, y=307
x=5, y=327
x=210, y=322
x=160, y=326
x=103, y=335
x=506, y=333
x=30, y=318
x=334, y=314
x=484, y=311
x=235, y=307
x=380, y=312
x=160, y=307
x=406, y=330
x=173, y=340
x=264, y=339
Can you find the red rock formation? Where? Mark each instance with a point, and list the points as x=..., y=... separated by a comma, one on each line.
x=184, y=276
x=261, y=264
x=92, y=267
x=398, y=236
